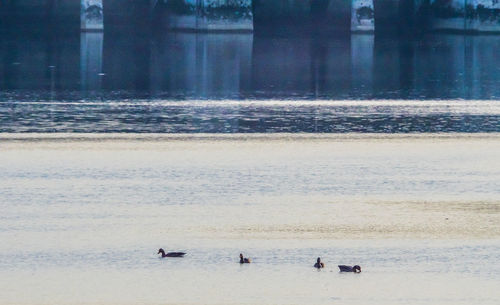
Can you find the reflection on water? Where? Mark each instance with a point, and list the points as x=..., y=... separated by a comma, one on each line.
x=159, y=116
x=362, y=67
x=201, y=65
x=119, y=83
x=187, y=65
x=91, y=61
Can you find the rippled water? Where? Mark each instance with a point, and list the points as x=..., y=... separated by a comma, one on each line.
x=244, y=83
x=83, y=216
x=360, y=149
x=159, y=116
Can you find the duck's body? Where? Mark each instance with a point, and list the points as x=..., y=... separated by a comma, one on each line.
x=244, y=260
x=355, y=269
x=170, y=254
x=319, y=264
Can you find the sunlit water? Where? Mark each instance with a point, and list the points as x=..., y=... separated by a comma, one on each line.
x=84, y=215
x=266, y=116
x=361, y=150
x=242, y=83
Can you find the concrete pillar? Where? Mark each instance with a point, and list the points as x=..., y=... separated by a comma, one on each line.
x=297, y=16
x=284, y=11
x=91, y=15
x=290, y=17
x=338, y=15
x=395, y=16
x=210, y=15
x=39, y=14
x=362, y=16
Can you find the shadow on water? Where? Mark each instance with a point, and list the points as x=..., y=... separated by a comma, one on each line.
x=244, y=66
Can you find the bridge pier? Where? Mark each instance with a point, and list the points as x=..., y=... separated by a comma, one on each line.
x=362, y=16
x=286, y=16
x=91, y=15
x=296, y=16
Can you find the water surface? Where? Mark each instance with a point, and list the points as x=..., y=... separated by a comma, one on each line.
x=83, y=216
x=191, y=66
x=360, y=149
x=241, y=83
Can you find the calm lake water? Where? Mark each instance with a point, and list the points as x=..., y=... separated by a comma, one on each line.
x=190, y=66
x=361, y=150
x=83, y=217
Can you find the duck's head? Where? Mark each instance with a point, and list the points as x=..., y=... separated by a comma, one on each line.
x=161, y=251
x=318, y=260
x=241, y=255
x=356, y=269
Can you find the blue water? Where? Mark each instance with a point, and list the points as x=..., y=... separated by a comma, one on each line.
x=362, y=150
x=168, y=83
x=160, y=116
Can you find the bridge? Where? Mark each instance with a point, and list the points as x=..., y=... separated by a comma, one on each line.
x=383, y=16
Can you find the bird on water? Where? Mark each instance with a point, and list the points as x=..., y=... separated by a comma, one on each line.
x=319, y=264
x=170, y=254
x=244, y=260
x=355, y=269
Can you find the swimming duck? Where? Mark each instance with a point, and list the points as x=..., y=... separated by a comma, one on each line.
x=319, y=264
x=170, y=254
x=244, y=260
x=355, y=269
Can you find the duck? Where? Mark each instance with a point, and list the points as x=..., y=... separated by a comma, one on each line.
x=355, y=269
x=244, y=260
x=170, y=254
x=319, y=264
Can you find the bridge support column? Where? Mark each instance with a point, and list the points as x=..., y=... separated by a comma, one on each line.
x=91, y=15
x=398, y=17
x=362, y=16
x=302, y=16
